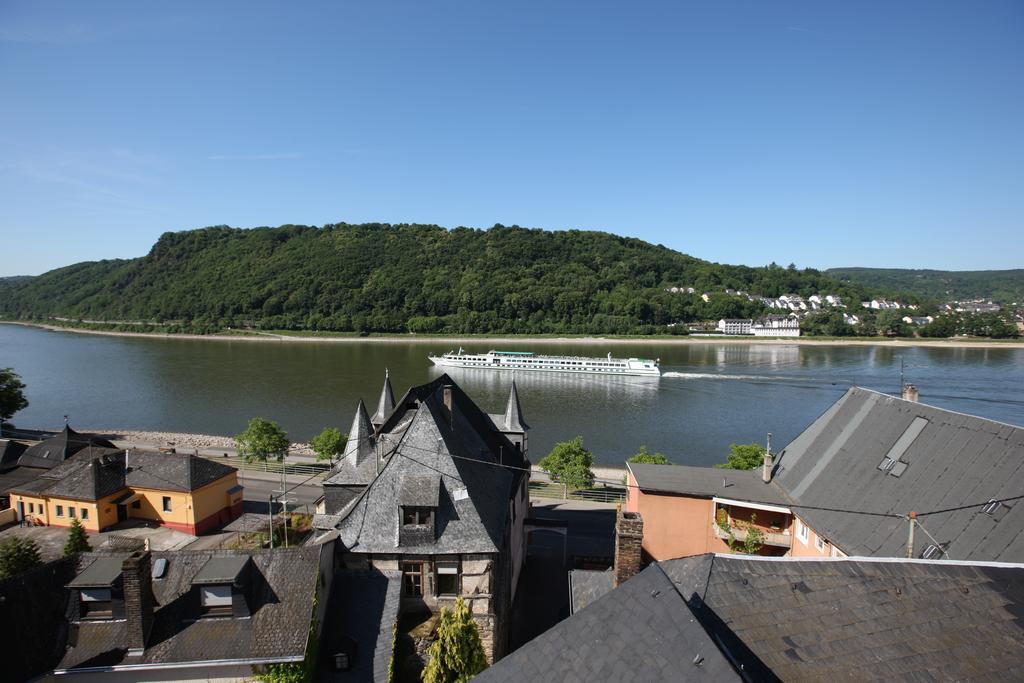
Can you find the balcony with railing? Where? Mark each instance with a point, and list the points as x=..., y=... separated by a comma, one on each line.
x=733, y=523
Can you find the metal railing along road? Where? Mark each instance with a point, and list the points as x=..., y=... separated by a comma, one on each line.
x=596, y=495
x=311, y=469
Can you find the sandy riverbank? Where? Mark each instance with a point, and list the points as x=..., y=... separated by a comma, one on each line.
x=185, y=442
x=527, y=339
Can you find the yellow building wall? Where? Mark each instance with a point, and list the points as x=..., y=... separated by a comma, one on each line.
x=212, y=498
x=38, y=506
x=107, y=511
x=151, y=507
x=90, y=521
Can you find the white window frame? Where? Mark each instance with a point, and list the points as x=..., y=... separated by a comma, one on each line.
x=802, y=532
x=820, y=543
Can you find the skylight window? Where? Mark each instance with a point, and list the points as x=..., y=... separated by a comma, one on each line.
x=886, y=464
x=992, y=507
x=932, y=552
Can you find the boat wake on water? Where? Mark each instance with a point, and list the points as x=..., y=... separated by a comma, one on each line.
x=745, y=378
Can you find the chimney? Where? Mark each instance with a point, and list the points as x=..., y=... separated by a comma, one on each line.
x=136, y=573
x=769, y=462
x=447, y=389
x=910, y=393
x=629, y=535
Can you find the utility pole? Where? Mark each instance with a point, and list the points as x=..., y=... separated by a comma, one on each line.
x=910, y=535
x=270, y=519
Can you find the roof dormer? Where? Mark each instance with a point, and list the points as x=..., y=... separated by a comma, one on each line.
x=418, y=503
x=222, y=587
x=97, y=593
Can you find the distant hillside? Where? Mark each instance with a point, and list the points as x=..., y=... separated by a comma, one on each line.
x=396, y=278
x=1004, y=286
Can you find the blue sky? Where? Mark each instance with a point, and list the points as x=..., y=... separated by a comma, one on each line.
x=821, y=133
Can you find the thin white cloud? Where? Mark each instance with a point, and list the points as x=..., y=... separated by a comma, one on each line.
x=801, y=29
x=254, y=157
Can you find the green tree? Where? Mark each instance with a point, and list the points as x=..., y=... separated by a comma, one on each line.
x=743, y=457
x=12, y=396
x=261, y=440
x=645, y=457
x=569, y=463
x=457, y=655
x=328, y=444
x=18, y=554
x=78, y=540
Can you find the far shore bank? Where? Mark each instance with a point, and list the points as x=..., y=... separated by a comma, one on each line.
x=267, y=337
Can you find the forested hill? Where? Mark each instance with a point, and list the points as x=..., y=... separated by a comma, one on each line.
x=1004, y=286
x=398, y=278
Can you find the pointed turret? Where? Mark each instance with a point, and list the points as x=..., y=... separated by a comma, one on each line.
x=514, y=421
x=359, y=445
x=386, y=403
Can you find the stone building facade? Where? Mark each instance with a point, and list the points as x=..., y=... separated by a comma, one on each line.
x=440, y=496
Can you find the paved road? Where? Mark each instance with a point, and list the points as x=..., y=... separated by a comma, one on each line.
x=259, y=490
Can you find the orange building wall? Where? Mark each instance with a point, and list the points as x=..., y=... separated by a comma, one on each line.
x=808, y=550
x=675, y=526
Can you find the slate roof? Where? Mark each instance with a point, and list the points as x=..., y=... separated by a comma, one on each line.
x=284, y=583
x=58, y=448
x=855, y=619
x=587, y=585
x=641, y=631
x=420, y=437
x=10, y=451
x=706, y=482
x=94, y=473
x=944, y=460
x=859, y=619
x=361, y=617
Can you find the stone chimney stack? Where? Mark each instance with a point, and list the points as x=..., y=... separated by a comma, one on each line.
x=136, y=573
x=910, y=393
x=447, y=389
x=769, y=462
x=629, y=535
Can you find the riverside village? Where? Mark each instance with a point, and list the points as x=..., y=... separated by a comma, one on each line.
x=884, y=542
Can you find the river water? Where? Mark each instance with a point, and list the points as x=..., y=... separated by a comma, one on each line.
x=710, y=394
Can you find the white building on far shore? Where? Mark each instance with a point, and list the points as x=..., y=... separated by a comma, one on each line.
x=776, y=326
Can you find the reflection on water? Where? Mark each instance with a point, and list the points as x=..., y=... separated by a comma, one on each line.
x=710, y=395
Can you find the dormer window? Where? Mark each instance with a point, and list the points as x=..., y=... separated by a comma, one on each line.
x=418, y=503
x=417, y=516
x=216, y=600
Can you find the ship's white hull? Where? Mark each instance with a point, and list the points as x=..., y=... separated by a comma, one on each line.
x=578, y=366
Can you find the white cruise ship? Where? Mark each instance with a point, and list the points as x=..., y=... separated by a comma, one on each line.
x=525, y=360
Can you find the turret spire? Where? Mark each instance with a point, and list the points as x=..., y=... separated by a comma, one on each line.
x=359, y=445
x=386, y=403
x=514, y=421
